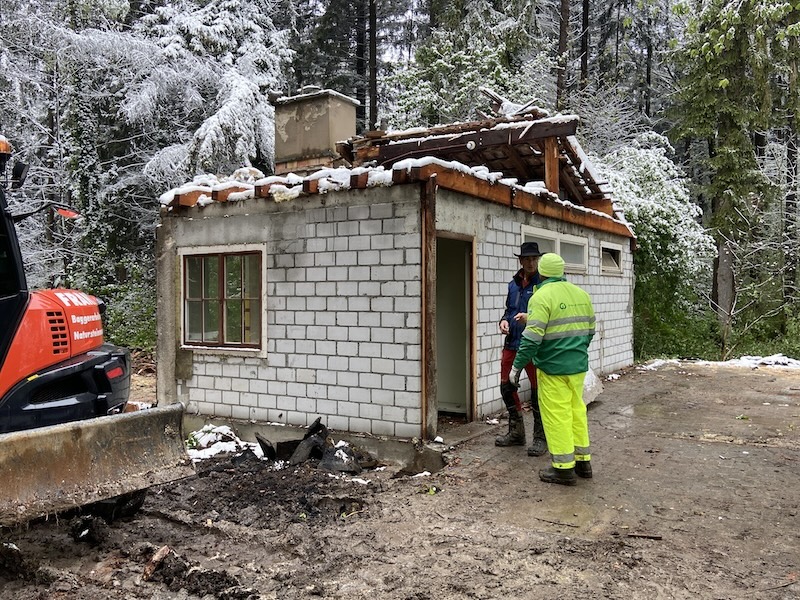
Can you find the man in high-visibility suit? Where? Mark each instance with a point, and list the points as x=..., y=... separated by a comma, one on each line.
x=559, y=329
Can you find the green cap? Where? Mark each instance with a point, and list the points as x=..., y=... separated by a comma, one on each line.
x=551, y=265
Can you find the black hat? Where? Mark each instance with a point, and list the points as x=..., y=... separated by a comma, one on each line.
x=528, y=249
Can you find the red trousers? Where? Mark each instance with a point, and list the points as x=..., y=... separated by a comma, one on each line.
x=506, y=362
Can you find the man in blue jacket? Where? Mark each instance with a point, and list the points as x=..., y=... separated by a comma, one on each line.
x=512, y=324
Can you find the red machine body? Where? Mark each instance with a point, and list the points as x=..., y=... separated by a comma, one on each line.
x=57, y=325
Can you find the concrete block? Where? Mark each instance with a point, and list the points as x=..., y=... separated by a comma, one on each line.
x=229, y=397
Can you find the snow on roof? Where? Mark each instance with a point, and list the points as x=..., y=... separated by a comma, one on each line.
x=314, y=94
x=421, y=134
x=245, y=184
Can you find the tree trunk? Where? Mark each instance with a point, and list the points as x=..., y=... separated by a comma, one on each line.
x=563, y=34
x=361, y=65
x=648, y=67
x=373, y=65
x=722, y=285
x=724, y=281
x=792, y=218
x=790, y=221
x=585, y=44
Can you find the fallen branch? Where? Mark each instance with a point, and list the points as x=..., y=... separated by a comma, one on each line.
x=555, y=522
x=647, y=536
x=777, y=587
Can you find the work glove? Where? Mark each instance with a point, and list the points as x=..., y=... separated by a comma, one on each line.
x=514, y=378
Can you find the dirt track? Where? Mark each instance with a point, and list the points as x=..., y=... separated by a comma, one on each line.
x=695, y=495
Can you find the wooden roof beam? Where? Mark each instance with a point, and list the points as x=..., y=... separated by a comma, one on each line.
x=515, y=197
x=521, y=133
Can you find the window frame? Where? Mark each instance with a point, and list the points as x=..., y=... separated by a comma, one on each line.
x=537, y=234
x=620, y=268
x=184, y=254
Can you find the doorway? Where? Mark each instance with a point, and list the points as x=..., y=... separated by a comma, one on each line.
x=454, y=326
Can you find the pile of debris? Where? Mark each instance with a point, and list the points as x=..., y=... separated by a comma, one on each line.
x=317, y=444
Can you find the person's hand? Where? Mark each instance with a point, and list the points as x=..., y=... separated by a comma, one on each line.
x=504, y=327
x=521, y=317
x=513, y=378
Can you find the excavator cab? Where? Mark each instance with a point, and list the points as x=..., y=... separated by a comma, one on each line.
x=54, y=364
x=65, y=438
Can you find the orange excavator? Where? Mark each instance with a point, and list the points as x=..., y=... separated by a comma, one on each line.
x=66, y=439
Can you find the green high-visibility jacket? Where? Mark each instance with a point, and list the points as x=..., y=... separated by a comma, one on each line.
x=560, y=326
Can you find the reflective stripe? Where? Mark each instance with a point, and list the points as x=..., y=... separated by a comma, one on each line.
x=582, y=450
x=563, y=458
x=566, y=320
x=532, y=336
x=538, y=324
x=557, y=335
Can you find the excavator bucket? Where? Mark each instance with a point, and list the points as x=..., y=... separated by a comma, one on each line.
x=52, y=469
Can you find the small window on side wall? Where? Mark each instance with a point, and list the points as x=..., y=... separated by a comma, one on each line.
x=573, y=249
x=222, y=300
x=611, y=259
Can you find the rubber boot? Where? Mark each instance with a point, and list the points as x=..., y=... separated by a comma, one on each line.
x=583, y=468
x=560, y=476
x=516, y=426
x=538, y=446
x=516, y=431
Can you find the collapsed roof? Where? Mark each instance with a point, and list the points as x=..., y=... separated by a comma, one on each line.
x=522, y=158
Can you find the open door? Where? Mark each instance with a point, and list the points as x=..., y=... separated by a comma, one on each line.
x=454, y=327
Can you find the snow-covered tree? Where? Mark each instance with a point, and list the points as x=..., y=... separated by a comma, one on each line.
x=674, y=251
x=475, y=43
x=116, y=107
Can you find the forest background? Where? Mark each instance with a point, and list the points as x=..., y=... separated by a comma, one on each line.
x=689, y=109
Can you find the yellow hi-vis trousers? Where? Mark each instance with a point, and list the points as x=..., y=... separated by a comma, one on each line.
x=564, y=418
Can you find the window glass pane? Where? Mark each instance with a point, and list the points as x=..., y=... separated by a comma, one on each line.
x=233, y=321
x=252, y=322
x=211, y=276
x=572, y=253
x=211, y=325
x=194, y=277
x=545, y=245
x=194, y=321
x=252, y=276
x=611, y=260
x=233, y=276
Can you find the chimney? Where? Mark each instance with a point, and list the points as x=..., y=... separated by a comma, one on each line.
x=307, y=127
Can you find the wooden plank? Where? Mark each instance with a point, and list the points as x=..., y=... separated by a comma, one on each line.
x=472, y=140
x=604, y=206
x=497, y=193
x=551, y=165
x=222, y=195
x=359, y=182
x=262, y=191
x=430, y=406
x=514, y=197
x=311, y=186
x=189, y=198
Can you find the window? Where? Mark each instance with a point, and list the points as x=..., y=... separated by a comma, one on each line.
x=573, y=249
x=611, y=259
x=222, y=299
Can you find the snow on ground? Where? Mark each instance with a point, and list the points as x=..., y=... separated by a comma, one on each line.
x=753, y=362
x=215, y=439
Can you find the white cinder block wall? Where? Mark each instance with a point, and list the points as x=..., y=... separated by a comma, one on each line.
x=343, y=305
x=498, y=232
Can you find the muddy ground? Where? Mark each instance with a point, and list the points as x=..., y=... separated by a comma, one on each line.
x=696, y=494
